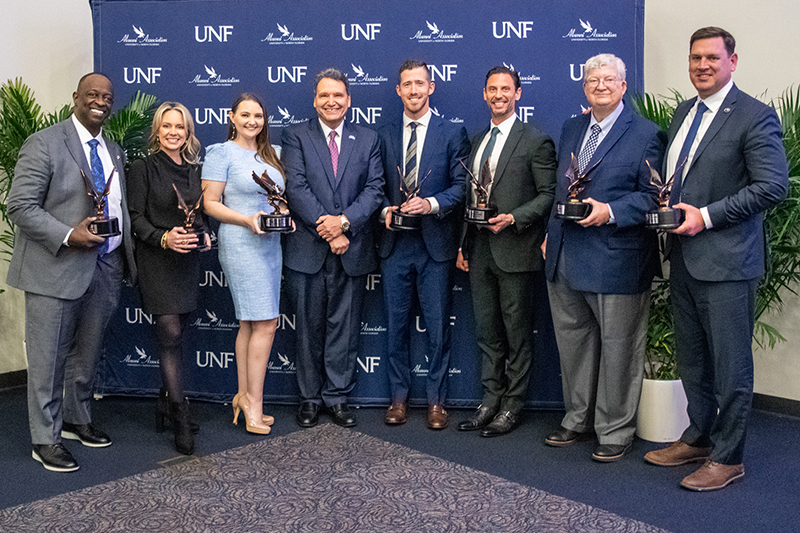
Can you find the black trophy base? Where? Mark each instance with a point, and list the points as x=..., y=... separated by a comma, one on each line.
x=665, y=218
x=201, y=238
x=405, y=221
x=273, y=222
x=573, y=210
x=479, y=215
x=105, y=226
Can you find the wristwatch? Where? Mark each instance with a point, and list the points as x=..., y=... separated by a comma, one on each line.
x=345, y=223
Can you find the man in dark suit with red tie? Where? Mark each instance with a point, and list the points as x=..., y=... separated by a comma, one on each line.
x=427, y=150
x=735, y=169
x=502, y=256
x=334, y=181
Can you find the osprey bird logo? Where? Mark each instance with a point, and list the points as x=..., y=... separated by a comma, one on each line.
x=587, y=27
x=284, y=113
x=358, y=70
x=435, y=111
x=284, y=360
x=433, y=27
x=509, y=66
x=211, y=72
x=139, y=32
x=284, y=31
x=141, y=353
x=212, y=316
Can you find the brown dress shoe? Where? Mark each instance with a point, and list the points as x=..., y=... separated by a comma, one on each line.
x=677, y=453
x=437, y=417
x=713, y=476
x=396, y=414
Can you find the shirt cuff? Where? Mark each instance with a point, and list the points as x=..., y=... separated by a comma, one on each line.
x=65, y=242
x=434, y=205
x=383, y=213
x=706, y=217
x=611, y=219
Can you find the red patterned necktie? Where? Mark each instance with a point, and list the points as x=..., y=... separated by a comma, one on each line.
x=334, y=151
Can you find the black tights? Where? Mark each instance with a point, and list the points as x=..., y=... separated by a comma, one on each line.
x=169, y=334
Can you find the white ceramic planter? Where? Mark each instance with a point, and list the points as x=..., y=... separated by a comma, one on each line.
x=662, y=411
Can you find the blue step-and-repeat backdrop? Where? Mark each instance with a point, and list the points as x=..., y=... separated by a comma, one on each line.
x=204, y=53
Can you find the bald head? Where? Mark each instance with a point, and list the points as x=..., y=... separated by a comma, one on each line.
x=93, y=100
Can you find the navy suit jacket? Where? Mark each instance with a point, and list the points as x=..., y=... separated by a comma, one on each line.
x=445, y=144
x=619, y=258
x=312, y=191
x=738, y=171
x=524, y=185
x=47, y=198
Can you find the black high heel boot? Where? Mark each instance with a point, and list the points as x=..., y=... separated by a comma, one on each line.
x=179, y=416
x=162, y=413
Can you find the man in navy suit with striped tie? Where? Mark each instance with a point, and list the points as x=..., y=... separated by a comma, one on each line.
x=425, y=152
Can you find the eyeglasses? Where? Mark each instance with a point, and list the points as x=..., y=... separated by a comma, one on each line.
x=593, y=83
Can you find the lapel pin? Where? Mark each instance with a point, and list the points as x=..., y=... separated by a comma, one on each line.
x=352, y=137
x=726, y=110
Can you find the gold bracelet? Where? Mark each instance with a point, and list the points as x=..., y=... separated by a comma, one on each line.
x=164, y=244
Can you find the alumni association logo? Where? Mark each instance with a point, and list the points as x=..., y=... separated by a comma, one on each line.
x=523, y=79
x=282, y=366
x=435, y=35
x=363, y=77
x=212, y=79
x=588, y=33
x=141, y=38
x=285, y=36
x=140, y=360
x=212, y=322
x=285, y=118
x=454, y=120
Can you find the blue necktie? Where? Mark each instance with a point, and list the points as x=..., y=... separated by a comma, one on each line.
x=675, y=195
x=99, y=180
x=588, y=150
x=411, y=159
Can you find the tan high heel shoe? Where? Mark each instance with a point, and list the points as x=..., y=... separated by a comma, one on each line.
x=268, y=420
x=249, y=424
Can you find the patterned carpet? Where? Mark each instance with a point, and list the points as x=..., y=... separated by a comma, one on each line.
x=321, y=479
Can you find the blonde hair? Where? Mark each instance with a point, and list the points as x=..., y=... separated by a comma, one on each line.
x=191, y=148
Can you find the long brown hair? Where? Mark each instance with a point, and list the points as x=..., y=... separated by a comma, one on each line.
x=191, y=148
x=263, y=147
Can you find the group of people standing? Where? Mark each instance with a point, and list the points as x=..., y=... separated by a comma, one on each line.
x=343, y=186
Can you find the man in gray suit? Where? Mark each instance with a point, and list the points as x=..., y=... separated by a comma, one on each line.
x=735, y=169
x=70, y=276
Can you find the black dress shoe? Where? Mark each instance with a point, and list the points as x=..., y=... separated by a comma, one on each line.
x=308, y=415
x=609, y=453
x=503, y=423
x=86, y=433
x=562, y=437
x=478, y=420
x=342, y=415
x=54, y=457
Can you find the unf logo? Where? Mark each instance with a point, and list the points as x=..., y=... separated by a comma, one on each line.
x=368, y=115
x=357, y=32
x=142, y=75
x=137, y=316
x=281, y=74
x=369, y=364
x=212, y=33
x=372, y=281
x=507, y=29
x=445, y=73
x=210, y=115
x=572, y=75
x=524, y=113
x=211, y=359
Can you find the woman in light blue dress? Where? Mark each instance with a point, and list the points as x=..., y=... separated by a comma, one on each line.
x=250, y=258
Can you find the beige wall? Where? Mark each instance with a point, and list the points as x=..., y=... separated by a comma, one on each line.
x=49, y=44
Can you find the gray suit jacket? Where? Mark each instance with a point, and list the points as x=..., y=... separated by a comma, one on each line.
x=47, y=198
x=739, y=170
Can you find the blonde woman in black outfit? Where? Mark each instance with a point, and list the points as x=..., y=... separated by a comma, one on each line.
x=166, y=253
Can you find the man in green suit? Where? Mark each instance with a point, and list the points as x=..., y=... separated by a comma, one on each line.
x=502, y=256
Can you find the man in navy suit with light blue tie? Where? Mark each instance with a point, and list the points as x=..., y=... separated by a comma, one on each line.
x=599, y=269
x=334, y=181
x=735, y=169
x=424, y=151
